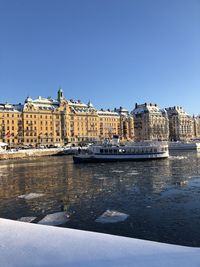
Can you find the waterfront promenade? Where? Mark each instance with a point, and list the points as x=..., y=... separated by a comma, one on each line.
x=26, y=153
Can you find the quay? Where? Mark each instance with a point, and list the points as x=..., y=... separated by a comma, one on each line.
x=29, y=153
x=30, y=245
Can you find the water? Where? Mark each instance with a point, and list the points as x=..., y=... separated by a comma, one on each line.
x=160, y=198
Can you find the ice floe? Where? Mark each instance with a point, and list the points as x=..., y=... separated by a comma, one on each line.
x=132, y=173
x=26, y=219
x=56, y=218
x=31, y=196
x=112, y=216
x=117, y=171
x=177, y=157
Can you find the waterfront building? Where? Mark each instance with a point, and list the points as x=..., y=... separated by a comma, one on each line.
x=46, y=122
x=11, y=127
x=150, y=122
x=181, y=125
x=196, y=124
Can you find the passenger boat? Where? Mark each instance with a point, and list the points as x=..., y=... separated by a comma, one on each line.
x=184, y=146
x=128, y=152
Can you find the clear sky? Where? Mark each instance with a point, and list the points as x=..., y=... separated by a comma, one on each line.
x=113, y=52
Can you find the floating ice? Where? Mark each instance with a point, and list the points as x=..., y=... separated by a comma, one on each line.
x=26, y=219
x=133, y=173
x=102, y=178
x=31, y=196
x=181, y=183
x=117, y=171
x=112, y=216
x=55, y=218
x=177, y=157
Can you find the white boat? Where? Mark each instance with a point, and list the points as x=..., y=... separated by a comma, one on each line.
x=129, y=152
x=184, y=146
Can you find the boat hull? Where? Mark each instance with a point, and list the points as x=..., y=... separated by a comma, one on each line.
x=114, y=158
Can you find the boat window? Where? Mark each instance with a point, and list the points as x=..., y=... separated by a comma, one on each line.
x=101, y=150
x=106, y=150
x=110, y=151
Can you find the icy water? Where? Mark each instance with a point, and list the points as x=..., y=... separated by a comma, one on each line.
x=155, y=200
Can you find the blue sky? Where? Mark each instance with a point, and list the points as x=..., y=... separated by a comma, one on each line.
x=113, y=52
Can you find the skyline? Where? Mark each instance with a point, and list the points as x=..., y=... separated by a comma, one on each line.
x=113, y=53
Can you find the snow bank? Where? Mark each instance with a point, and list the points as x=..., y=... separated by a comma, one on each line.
x=30, y=245
x=112, y=216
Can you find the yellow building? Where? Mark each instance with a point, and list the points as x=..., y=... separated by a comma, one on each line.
x=46, y=122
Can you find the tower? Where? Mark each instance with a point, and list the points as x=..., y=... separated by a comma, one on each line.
x=60, y=95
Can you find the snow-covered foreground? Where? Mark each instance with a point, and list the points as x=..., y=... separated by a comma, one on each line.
x=24, y=245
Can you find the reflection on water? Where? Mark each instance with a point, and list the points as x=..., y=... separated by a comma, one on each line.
x=160, y=197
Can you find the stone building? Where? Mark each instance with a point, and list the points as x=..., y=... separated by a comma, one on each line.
x=181, y=125
x=44, y=121
x=150, y=122
x=196, y=121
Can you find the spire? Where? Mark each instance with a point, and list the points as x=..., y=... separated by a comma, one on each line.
x=60, y=94
x=90, y=104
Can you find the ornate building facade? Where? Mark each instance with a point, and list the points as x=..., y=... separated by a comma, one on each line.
x=181, y=125
x=196, y=127
x=45, y=121
x=150, y=123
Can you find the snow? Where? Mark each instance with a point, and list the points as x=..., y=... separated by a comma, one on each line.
x=31, y=245
x=112, y=216
x=31, y=196
x=56, y=218
x=26, y=219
